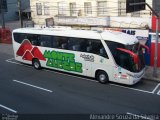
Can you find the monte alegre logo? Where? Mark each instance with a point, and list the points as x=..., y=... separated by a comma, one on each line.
x=55, y=59
x=28, y=52
x=62, y=60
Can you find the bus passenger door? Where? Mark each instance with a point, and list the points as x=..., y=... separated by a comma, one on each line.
x=116, y=73
x=88, y=67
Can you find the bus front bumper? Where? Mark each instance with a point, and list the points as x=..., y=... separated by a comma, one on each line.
x=136, y=77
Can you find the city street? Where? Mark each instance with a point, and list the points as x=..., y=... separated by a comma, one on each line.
x=111, y=40
x=25, y=90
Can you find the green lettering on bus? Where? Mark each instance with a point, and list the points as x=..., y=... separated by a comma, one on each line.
x=59, y=64
x=62, y=60
x=49, y=62
x=65, y=56
x=54, y=63
x=59, y=55
x=79, y=67
x=47, y=54
x=66, y=66
x=72, y=66
x=54, y=54
x=71, y=57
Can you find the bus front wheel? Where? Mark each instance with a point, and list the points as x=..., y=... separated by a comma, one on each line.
x=102, y=77
x=36, y=64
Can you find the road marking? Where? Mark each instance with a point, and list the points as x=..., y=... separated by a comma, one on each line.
x=92, y=80
x=156, y=88
x=132, y=89
x=33, y=86
x=158, y=93
x=7, y=108
x=8, y=60
x=139, y=116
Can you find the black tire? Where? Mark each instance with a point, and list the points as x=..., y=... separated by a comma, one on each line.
x=36, y=64
x=102, y=77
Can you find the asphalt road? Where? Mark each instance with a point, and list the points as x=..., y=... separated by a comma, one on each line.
x=24, y=90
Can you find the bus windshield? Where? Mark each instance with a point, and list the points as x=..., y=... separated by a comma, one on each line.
x=129, y=57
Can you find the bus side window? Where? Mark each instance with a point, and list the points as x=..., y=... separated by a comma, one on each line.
x=33, y=39
x=55, y=43
x=62, y=42
x=89, y=46
x=96, y=47
x=19, y=37
x=71, y=43
x=102, y=52
x=45, y=40
x=74, y=44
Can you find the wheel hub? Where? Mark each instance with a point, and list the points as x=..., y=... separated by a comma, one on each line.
x=36, y=64
x=102, y=77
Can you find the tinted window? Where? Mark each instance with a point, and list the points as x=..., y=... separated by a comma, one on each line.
x=113, y=47
x=76, y=44
x=45, y=40
x=60, y=42
x=19, y=37
x=33, y=39
x=55, y=42
x=122, y=59
x=96, y=47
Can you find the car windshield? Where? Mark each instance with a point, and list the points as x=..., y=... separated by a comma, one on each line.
x=124, y=59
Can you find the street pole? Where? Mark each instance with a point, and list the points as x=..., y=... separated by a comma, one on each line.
x=2, y=14
x=157, y=34
x=156, y=49
x=20, y=13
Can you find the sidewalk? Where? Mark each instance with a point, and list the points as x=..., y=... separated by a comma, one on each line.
x=12, y=25
x=149, y=74
x=6, y=48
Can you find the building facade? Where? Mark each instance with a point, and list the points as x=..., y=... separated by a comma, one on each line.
x=108, y=13
x=11, y=13
x=156, y=6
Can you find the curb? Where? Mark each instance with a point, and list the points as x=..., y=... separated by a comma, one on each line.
x=151, y=79
x=148, y=74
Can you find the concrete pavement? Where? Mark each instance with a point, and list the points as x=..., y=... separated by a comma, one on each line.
x=149, y=74
x=6, y=48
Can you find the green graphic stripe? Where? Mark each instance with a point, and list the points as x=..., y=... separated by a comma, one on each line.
x=62, y=60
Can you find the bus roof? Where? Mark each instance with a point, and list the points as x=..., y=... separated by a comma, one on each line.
x=114, y=36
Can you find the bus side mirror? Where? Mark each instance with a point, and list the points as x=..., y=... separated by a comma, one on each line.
x=145, y=47
x=135, y=57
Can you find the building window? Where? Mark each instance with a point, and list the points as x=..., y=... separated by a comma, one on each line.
x=62, y=8
x=121, y=8
x=73, y=9
x=39, y=8
x=102, y=8
x=46, y=8
x=4, y=5
x=135, y=14
x=87, y=8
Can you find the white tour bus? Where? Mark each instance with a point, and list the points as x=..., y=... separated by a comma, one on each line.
x=104, y=55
